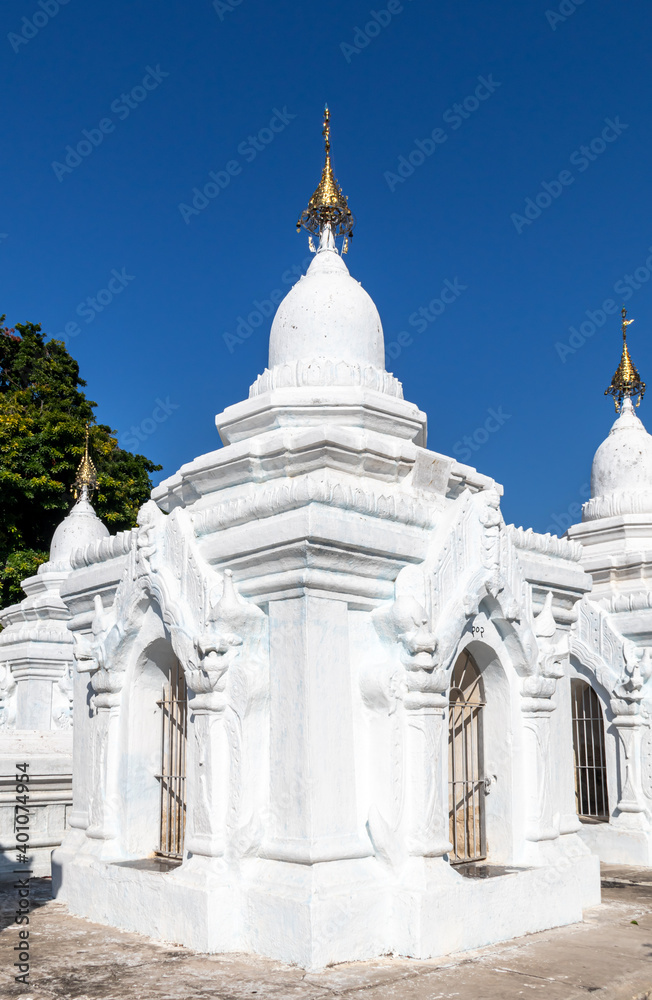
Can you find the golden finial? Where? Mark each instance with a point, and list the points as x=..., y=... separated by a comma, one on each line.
x=328, y=206
x=86, y=478
x=626, y=381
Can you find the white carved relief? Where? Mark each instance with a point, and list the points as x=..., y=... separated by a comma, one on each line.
x=383, y=501
x=623, y=669
x=164, y=564
x=7, y=697
x=628, y=692
x=646, y=770
x=326, y=371
x=219, y=640
x=552, y=657
x=62, y=699
x=618, y=664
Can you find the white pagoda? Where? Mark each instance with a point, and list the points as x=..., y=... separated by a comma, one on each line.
x=322, y=687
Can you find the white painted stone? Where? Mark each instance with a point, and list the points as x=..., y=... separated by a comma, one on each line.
x=317, y=579
x=327, y=314
x=36, y=692
x=611, y=643
x=80, y=528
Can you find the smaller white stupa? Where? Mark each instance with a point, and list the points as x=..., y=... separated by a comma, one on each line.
x=36, y=664
x=611, y=642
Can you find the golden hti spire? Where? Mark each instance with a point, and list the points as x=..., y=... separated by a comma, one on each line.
x=328, y=206
x=626, y=381
x=86, y=478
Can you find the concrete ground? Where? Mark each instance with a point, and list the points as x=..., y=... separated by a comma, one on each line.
x=609, y=956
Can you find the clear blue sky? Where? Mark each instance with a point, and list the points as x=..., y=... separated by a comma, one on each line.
x=201, y=81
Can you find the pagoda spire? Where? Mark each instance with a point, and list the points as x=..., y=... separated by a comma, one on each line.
x=328, y=214
x=626, y=381
x=86, y=478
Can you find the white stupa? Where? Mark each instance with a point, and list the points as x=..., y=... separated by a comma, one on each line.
x=36, y=681
x=278, y=660
x=611, y=642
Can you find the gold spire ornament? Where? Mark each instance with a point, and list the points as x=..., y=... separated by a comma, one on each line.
x=626, y=381
x=328, y=206
x=86, y=478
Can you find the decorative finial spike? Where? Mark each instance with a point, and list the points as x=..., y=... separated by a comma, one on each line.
x=328, y=207
x=626, y=381
x=86, y=478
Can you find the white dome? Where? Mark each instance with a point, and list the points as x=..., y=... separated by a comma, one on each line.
x=621, y=475
x=327, y=314
x=81, y=527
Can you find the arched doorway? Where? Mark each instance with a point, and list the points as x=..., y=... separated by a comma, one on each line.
x=589, y=751
x=172, y=777
x=466, y=781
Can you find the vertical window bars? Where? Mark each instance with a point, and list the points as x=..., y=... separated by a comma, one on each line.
x=466, y=783
x=589, y=751
x=174, y=721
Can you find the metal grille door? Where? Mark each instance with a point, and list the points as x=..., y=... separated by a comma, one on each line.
x=174, y=716
x=466, y=781
x=589, y=749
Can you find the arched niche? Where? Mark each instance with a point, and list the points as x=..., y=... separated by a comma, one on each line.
x=589, y=751
x=152, y=665
x=499, y=743
x=580, y=673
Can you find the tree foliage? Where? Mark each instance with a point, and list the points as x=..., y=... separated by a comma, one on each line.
x=43, y=415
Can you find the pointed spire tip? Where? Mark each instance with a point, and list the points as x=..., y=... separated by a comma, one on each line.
x=328, y=207
x=626, y=381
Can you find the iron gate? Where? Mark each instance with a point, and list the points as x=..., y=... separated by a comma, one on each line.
x=466, y=782
x=589, y=750
x=174, y=719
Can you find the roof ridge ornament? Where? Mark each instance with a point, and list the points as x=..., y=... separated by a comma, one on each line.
x=328, y=214
x=86, y=478
x=626, y=381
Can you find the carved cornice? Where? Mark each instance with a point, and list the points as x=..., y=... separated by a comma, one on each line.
x=35, y=632
x=640, y=600
x=385, y=502
x=322, y=372
x=107, y=548
x=630, y=502
x=547, y=545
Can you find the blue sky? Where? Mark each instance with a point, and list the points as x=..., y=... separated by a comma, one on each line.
x=162, y=95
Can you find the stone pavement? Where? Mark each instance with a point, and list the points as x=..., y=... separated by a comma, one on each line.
x=608, y=956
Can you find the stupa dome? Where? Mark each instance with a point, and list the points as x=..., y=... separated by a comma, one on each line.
x=327, y=314
x=621, y=475
x=81, y=527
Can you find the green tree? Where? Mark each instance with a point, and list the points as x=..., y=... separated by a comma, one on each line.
x=43, y=414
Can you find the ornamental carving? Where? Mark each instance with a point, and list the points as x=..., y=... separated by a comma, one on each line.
x=7, y=697
x=406, y=622
x=207, y=635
